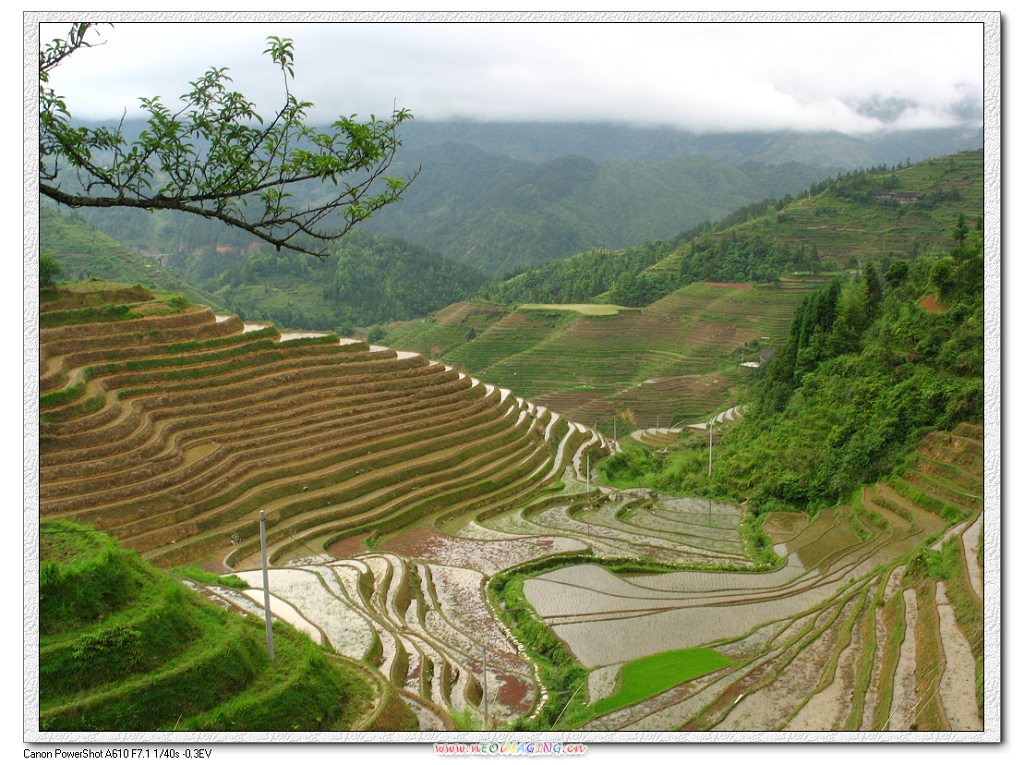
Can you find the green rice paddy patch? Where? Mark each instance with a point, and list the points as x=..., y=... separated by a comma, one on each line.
x=651, y=675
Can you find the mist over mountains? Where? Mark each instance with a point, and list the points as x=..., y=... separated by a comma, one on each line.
x=541, y=141
x=504, y=197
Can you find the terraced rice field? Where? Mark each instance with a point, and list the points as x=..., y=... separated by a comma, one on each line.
x=170, y=431
x=446, y=329
x=426, y=627
x=397, y=489
x=171, y=427
x=671, y=360
x=662, y=437
x=855, y=631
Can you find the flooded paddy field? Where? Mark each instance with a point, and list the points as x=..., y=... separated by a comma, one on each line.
x=828, y=639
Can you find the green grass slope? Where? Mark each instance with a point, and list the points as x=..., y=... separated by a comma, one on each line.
x=646, y=677
x=124, y=647
x=84, y=253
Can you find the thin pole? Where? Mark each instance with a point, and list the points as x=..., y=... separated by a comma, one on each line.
x=485, y=687
x=711, y=433
x=266, y=586
x=588, y=472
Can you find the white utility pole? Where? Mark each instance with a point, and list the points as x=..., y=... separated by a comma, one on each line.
x=266, y=587
x=711, y=434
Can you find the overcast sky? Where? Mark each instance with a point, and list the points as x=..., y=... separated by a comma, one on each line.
x=705, y=77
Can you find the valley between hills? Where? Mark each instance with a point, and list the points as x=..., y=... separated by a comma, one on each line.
x=701, y=497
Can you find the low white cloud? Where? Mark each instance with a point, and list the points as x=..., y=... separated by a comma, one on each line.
x=704, y=77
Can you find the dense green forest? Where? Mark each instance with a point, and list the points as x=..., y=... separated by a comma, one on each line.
x=502, y=215
x=577, y=279
x=366, y=280
x=870, y=364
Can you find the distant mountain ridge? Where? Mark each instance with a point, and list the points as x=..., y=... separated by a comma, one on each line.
x=707, y=300
x=538, y=142
x=501, y=214
x=876, y=215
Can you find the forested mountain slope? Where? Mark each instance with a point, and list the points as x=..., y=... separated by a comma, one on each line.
x=870, y=364
x=877, y=215
x=710, y=300
x=502, y=215
x=367, y=279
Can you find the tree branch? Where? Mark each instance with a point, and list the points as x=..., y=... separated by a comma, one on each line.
x=208, y=159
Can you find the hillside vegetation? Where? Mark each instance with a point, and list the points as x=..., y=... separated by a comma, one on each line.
x=869, y=365
x=125, y=647
x=879, y=215
x=498, y=214
x=579, y=278
x=84, y=253
x=502, y=215
x=366, y=280
x=710, y=300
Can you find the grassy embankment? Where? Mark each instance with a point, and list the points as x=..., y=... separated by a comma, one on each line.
x=124, y=647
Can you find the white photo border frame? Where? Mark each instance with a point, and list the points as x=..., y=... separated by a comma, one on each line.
x=992, y=526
